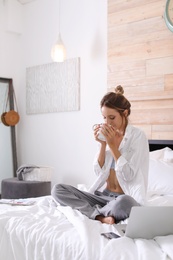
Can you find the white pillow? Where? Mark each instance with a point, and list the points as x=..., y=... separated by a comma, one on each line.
x=160, y=178
x=168, y=155
x=160, y=154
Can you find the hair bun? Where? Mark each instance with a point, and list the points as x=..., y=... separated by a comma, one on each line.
x=119, y=90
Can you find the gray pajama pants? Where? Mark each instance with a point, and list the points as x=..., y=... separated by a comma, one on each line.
x=104, y=203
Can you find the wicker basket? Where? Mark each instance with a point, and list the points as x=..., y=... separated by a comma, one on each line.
x=42, y=173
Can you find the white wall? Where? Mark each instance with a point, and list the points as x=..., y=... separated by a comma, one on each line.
x=10, y=40
x=10, y=67
x=62, y=140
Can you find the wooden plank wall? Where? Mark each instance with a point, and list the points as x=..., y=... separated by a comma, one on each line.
x=140, y=58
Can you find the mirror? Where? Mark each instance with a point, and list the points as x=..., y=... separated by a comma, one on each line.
x=8, y=154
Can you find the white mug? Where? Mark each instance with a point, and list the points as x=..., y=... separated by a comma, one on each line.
x=100, y=135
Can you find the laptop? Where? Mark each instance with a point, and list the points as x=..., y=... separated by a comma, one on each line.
x=146, y=222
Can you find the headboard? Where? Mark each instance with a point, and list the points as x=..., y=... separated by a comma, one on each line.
x=160, y=144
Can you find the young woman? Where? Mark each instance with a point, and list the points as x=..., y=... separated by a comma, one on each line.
x=121, y=166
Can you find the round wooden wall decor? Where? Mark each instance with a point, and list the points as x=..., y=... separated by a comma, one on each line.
x=11, y=118
x=3, y=118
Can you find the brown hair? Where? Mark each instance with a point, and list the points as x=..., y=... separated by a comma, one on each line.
x=117, y=100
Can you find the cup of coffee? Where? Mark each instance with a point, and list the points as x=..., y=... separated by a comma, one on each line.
x=100, y=135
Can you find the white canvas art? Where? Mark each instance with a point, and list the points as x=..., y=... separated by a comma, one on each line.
x=53, y=87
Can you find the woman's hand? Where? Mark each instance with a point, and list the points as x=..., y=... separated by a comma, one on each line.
x=97, y=129
x=113, y=136
x=113, y=139
x=101, y=155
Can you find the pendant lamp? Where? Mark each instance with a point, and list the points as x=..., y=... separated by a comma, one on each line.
x=58, y=52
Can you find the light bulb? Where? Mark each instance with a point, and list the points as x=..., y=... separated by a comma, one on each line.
x=58, y=52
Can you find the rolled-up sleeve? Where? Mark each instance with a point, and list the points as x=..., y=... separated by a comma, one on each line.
x=101, y=173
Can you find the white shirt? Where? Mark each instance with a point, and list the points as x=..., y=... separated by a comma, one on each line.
x=131, y=167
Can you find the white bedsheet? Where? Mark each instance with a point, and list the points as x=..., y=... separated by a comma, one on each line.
x=46, y=231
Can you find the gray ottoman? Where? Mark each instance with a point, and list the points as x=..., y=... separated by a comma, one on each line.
x=14, y=188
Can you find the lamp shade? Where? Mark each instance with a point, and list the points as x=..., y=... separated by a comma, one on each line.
x=58, y=52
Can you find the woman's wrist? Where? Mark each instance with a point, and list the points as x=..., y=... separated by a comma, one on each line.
x=116, y=153
x=101, y=157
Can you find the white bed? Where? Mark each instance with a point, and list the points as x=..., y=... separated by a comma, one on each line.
x=45, y=231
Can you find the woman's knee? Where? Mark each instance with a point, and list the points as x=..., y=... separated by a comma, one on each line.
x=57, y=188
x=122, y=207
x=127, y=201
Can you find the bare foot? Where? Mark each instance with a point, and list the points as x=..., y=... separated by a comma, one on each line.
x=107, y=220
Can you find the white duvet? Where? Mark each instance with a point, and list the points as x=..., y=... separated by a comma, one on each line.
x=46, y=231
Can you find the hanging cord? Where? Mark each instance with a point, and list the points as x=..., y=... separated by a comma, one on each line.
x=7, y=99
x=11, y=117
x=15, y=100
